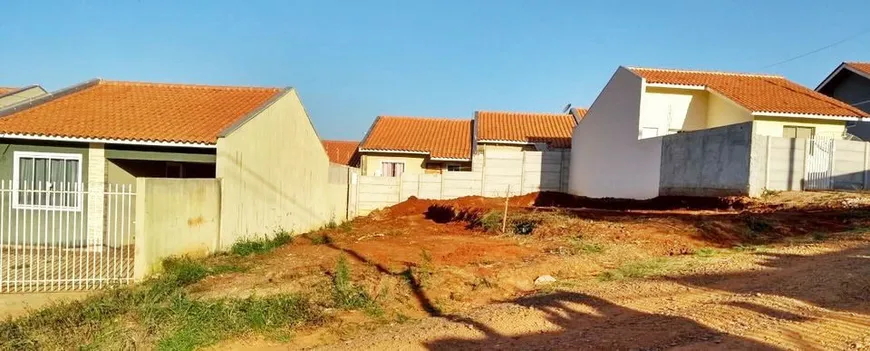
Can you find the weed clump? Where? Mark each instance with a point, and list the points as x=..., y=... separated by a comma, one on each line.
x=757, y=224
x=346, y=294
x=319, y=239
x=247, y=247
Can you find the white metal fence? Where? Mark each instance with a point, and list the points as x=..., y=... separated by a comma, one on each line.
x=57, y=237
x=819, y=164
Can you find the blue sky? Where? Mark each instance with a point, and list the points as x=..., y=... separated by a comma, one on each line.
x=354, y=60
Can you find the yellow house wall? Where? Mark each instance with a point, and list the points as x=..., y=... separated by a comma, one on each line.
x=772, y=126
x=722, y=112
x=371, y=163
x=669, y=109
x=274, y=174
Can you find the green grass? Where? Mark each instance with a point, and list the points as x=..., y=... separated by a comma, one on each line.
x=157, y=313
x=581, y=246
x=247, y=247
x=347, y=295
x=749, y=248
x=491, y=221
x=635, y=270
x=706, y=252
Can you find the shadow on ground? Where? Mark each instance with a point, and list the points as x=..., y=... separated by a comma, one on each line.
x=607, y=326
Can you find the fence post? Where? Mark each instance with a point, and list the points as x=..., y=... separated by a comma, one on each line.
x=482, y=174
x=523, y=173
x=767, y=165
x=808, y=144
x=866, y=161
x=831, y=164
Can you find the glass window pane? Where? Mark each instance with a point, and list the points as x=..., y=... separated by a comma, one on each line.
x=40, y=180
x=25, y=180
x=72, y=179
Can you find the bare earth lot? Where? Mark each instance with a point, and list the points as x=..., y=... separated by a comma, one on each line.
x=790, y=271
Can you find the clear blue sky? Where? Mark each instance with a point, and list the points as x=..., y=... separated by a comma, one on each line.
x=354, y=60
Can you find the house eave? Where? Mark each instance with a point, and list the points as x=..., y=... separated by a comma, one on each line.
x=106, y=141
x=806, y=115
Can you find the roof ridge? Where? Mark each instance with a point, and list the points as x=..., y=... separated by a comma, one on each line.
x=340, y=141
x=427, y=118
x=739, y=74
x=526, y=113
x=182, y=85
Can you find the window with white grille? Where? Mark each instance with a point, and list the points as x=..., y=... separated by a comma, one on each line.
x=49, y=181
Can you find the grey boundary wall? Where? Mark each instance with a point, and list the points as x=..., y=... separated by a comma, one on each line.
x=732, y=160
x=709, y=162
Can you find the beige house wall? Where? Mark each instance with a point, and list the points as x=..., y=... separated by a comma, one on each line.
x=274, y=174
x=772, y=126
x=174, y=217
x=20, y=96
x=722, y=111
x=370, y=163
x=670, y=110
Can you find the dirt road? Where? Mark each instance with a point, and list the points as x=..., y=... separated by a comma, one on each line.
x=808, y=297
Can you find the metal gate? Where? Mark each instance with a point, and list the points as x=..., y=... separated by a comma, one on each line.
x=819, y=164
x=57, y=237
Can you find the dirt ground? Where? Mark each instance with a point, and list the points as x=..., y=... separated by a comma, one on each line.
x=788, y=271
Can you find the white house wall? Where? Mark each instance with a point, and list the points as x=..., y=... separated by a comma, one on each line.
x=723, y=112
x=607, y=159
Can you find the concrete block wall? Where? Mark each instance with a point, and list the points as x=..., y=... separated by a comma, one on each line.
x=710, y=162
x=493, y=173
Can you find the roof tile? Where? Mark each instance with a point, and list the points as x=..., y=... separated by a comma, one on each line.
x=757, y=93
x=441, y=138
x=864, y=67
x=140, y=112
x=342, y=152
x=553, y=129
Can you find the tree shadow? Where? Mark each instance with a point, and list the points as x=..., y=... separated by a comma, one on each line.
x=837, y=280
x=592, y=323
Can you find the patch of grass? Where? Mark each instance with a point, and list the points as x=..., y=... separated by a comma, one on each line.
x=491, y=221
x=769, y=193
x=706, y=252
x=156, y=314
x=581, y=246
x=347, y=295
x=247, y=247
x=319, y=239
x=634, y=270
x=749, y=248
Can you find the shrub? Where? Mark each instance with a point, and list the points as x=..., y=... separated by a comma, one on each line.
x=491, y=221
x=758, y=224
x=319, y=239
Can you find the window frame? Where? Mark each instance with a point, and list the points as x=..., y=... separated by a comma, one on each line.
x=457, y=165
x=16, y=180
x=404, y=167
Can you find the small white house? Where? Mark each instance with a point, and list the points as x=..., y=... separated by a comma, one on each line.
x=617, y=146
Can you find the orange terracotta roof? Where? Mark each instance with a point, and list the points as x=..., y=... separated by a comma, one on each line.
x=863, y=67
x=4, y=90
x=440, y=138
x=553, y=129
x=757, y=93
x=342, y=152
x=133, y=111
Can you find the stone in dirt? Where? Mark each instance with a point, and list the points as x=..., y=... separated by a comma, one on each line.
x=544, y=280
